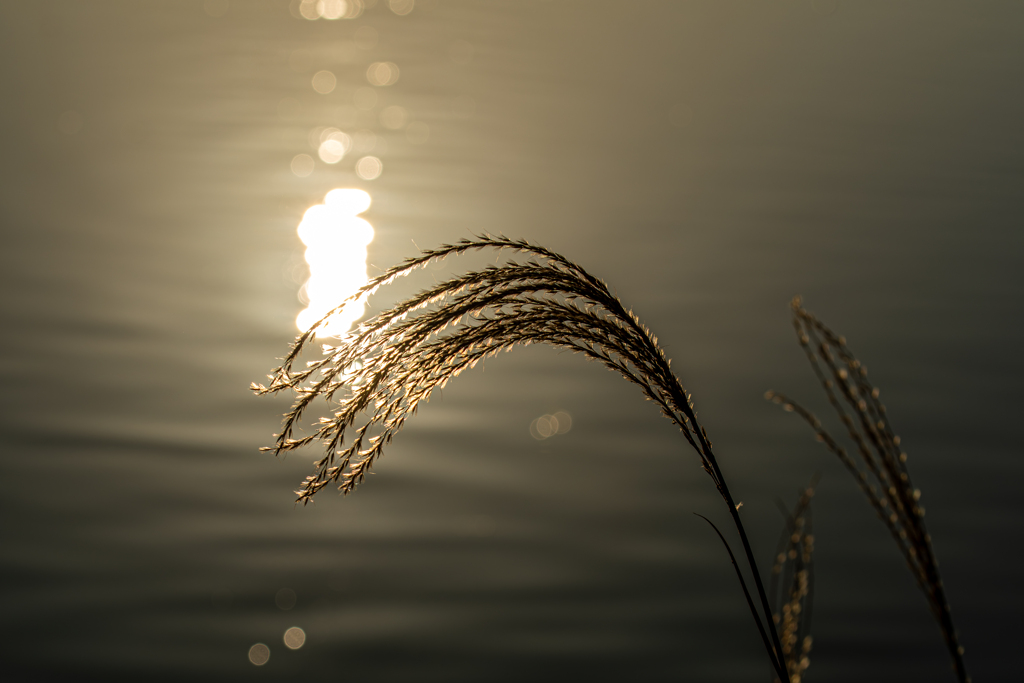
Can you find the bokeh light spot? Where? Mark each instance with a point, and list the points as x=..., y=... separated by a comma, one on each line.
x=324, y=82
x=394, y=117
x=355, y=8
x=294, y=638
x=285, y=599
x=331, y=151
x=401, y=7
x=259, y=654
x=340, y=9
x=382, y=73
x=302, y=165
x=331, y=133
x=309, y=9
x=369, y=168
x=546, y=426
x=334, y=144
x=316, y=136
x=332, y=9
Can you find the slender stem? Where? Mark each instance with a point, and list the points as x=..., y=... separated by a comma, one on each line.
x=783, y=673
x=708, y=458
x=949, y=634
x=723, y=488
x=746, y=593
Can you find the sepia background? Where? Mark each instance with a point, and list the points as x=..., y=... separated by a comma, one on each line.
x=709, y=160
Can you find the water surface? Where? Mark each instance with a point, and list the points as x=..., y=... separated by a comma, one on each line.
x=708, y=160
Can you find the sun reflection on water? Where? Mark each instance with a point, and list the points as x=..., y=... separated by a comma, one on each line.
x=336, y=239
x=359, y=102
x=327, y=9
x=334, y=144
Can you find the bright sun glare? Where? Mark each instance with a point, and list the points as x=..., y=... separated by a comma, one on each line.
x=336, y=239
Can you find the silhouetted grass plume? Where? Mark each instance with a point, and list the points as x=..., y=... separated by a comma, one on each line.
x=877, y=462
x=792, y=585
x=377, y=375
x=380, y=372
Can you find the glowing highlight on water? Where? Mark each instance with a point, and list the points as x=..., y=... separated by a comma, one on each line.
x=336, y=239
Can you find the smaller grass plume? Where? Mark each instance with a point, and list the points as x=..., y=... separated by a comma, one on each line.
x=791, y=585
x=877, y=460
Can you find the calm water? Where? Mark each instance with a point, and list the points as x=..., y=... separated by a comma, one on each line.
x=708, y=159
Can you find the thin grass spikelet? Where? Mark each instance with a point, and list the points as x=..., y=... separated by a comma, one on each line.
x=877, y=460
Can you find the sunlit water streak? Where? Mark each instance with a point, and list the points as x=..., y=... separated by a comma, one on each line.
x=330, y=143
x=336, y=240
x=149, y=211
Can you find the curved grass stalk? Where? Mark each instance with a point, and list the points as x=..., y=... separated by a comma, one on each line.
x=878, y=463
x=380, y=373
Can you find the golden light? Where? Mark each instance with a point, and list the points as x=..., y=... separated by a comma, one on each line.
x=334, y=144
x=547, y=426
x=310, y=9
x=302, y=165
x=332, y=9
x=350, y=201
x=401, y=7
x=324, y=82
x=336, y=239
x=294, y=638
x=259, y=654
x=369, y=168
x=382, y=73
